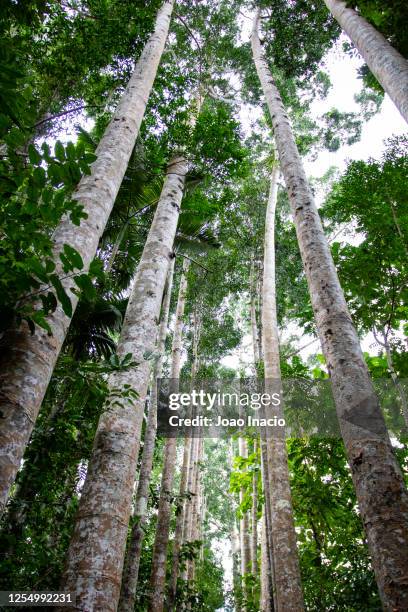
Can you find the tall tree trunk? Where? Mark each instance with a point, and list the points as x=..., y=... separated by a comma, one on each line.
x=268, y=521
x=194, y=534
x=254, y=326
x=178, y=533
x=266, y=591
x=188, y=513
x=286, y=563
x=254, y=522
x=97, y=548
x=388, y=66
x=132, y=561
x=27, y=361
x=236, y=574
x=159, y=562
x=381, y=493
x=244, y=527
x=187, y=458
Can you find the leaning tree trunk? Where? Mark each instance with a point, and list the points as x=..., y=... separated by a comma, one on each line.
x=388, y=66
x=159, y=561
x=132, y=561
x=286, y=563
x=381, y=493
x=27, y=361
x=97, y=548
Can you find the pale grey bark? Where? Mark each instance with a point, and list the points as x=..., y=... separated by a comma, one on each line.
x=244, y=528
x=236, y=577
x=27, y=361
x=194, y=533
x=266, y=598
x=181, y=517
x=97, y=548
x=254, y=522
x=159, y=561
x=388, y=66
x=286, y=564
x=178, y=533
x=271, y=592
x=132, y=561
x=254, y=326
x=380, y=489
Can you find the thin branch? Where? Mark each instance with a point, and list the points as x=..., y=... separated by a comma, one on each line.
x=63, y=113
x=189, y=31
x=194, y=261
x=301, y=348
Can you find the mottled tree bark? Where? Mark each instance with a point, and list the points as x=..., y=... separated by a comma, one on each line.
x=27, y=361
x=254, y=522
x=188, y=514
x=132, y=561
x=266, y=594
x=244, y=527
x=268, y=521
x=381, y=493
x=286, y=564
x=254, y=326
x=388, y=66
x=194, y=534
x=181, y=517
x=236, y=576
x=159, y=562
x=97, y=548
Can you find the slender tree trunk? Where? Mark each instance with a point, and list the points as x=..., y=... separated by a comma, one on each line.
x=181, y=517
x=266, y=593
x=178, y=534
x=189, y=525
x=189, y=509
x=268, y=522
x=286, y=563
x=97, y=548
x=27, y=361
x=388, y=66
x=159, y=562
x=254, y=522
x=380, y=489
x=131, y=570
x=244, y=528
x=195, y=512
x=254, y=325
x=236, y=577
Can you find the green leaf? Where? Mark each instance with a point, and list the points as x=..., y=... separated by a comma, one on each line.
x=73, y=257
x=70, y=151
x=39, y=177
x=59, y=151
x=85, y=284
x=61, y=295
x=33, y=155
